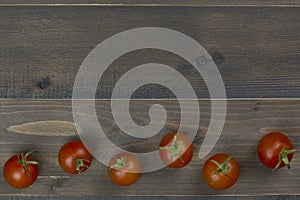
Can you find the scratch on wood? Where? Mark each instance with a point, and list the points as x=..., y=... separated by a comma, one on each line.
x=53, y=177
x=45, y=128
x=289, y=130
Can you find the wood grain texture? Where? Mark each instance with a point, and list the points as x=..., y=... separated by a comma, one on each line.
x=158, y=2
x=269, y=197
x=256, y=48
x=45, y=128
x=246, y=123
x=272, y=197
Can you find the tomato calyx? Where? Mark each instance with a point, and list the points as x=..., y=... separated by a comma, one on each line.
x=174, y=149
x=22, y=159
x=80, y=165
x=120, y=163
x=223, y=167
x=283, y=157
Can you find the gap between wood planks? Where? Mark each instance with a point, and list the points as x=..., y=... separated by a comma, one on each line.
x=161, y=99
x=146, y=5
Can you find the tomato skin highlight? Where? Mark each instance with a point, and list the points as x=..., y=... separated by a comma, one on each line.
x=219, y=181
x=186, y=152
x=15, y=173
x=124, y=175
x=269, y=147
x=70, y=152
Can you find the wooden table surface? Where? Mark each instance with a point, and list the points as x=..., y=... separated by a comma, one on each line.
x=255, y=45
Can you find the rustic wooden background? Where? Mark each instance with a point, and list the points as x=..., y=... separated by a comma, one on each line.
x=255, y=44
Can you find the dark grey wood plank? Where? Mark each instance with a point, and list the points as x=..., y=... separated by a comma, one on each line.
x=256, y=49
x=246, y=123
x=157, y=2
x=272, y=197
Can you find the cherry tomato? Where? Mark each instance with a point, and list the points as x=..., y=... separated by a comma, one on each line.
x=221, y=171
x=176, y=150
x=74, y=158
x=124, y=169
x=275, y=150
x=20, y=171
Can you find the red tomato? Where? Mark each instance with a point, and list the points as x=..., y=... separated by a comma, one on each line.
x=124, y=169
x=20, y=171
x=176, y=150
x=275, y=150
x=74, y=158
x=221, y=171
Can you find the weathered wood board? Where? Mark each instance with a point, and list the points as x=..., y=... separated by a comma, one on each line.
x=155, y=2
x=246, y=122
x=256, y=48
x=255, y=45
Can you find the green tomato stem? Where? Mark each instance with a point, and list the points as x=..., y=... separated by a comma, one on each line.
x=283, y=157
x=174, y=149
x=22, y=159
x=120, y=163
x=80, y=165
x=223, y=167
